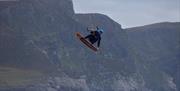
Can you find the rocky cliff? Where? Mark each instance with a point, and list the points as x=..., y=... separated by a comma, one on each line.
x=37, y=37
x=159, y=45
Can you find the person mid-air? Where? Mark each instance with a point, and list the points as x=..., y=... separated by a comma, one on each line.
x=95, y=36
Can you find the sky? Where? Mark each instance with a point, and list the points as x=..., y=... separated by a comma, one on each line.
x=132, y=13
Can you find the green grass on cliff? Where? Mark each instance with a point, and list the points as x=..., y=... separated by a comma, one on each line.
x=13, y=77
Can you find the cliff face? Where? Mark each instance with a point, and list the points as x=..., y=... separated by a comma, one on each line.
x=160, y=39
x=40, y=35
x=158, y=44
x=36, y=21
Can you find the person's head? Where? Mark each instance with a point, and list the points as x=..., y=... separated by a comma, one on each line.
x=100, y=31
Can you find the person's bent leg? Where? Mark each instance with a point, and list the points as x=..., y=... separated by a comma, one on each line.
x=88, y=36
x=93, y=40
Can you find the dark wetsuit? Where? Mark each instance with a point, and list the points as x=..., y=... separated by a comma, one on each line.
x=93, y=37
